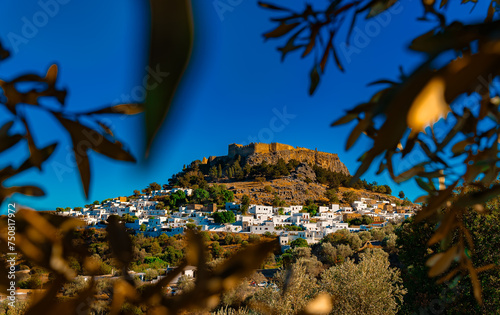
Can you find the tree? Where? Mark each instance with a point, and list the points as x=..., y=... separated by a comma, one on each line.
x=143, y=227
x=245, y=203
x=160, y=205
x=423, y=292
x=388, y=189
x=349, y=197
x=155, y=248
x=178, y=198
x=401, y=194
x=408, y=110
x=299, y=242
x=406, y=202
x=222, y=217
x=311, y=208
x=277, y=202
x=59, y=209
x=369, y=287
x=213, y=172
x=201, y=195
x=219, y=171
x=295, y=289
x=331, y=195
x=228, y=196
x=96, y=203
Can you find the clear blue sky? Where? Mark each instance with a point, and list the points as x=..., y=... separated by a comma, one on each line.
x=233, y=87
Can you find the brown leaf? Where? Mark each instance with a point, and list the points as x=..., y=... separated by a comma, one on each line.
x=326, y=52
x=441, y=261
x=84, y=169
x=51, y=75
x=127, y=109
x=416, y=170
x=281, y=30
x=272, y=7
x=7, y=141
x=290, y=44
x=312, y=40
x=357, y=131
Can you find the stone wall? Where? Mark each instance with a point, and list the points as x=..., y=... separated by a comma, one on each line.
x=256, y=153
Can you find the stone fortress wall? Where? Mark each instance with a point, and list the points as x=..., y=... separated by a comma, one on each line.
x=255, y=153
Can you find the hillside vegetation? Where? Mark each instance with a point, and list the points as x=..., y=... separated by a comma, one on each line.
x=281, y=183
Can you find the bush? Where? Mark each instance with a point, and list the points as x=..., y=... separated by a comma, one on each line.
x=254, y=238
x=300, y=242
x=223, y=217
x=33, y=282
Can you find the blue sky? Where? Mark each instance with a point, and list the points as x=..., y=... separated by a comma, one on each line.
x=232, y=90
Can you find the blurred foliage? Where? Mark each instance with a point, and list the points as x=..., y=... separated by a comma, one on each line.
x=31, y=93
x=170, y=49
x=46, y=240
x=454, y=290
x=446, y=108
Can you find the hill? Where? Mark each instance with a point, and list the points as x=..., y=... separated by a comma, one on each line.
x=280, y=174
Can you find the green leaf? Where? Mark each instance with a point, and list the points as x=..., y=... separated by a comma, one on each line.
x=379, y=6
x=314, y=80
x=170, y=51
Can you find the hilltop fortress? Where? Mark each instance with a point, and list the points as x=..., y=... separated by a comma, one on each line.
x=256, y=153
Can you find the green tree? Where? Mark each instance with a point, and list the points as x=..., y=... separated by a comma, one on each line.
x=155, y=248
x=213, y=172
x=228, y=196
x=423, y=291
x=401, y=194
x=299, y=242
x=368, y=287
x=219, y=171
x=331, y=195
x=201, y=195
x=349, y=197
x=245, y=203
x=221, y=217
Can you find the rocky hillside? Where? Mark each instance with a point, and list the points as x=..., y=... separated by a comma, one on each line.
x=276, y=173
x=294, y=189
x=256, y=153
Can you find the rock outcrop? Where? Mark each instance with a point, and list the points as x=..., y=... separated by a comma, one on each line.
x=256, y=153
